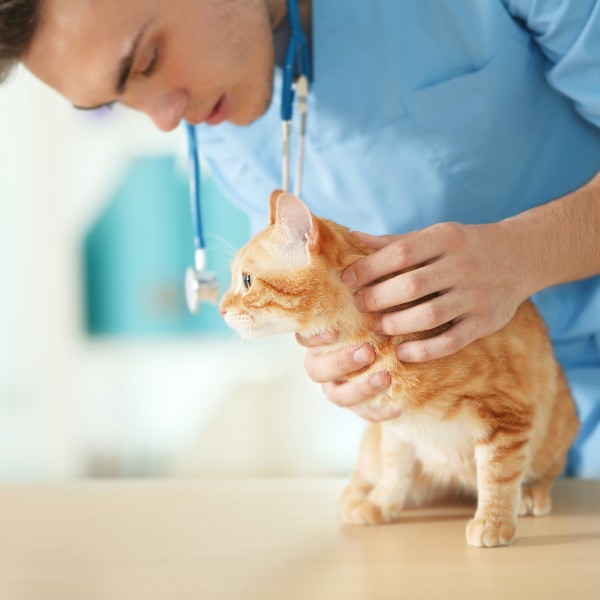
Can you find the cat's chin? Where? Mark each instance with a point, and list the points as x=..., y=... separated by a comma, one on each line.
x=263, y=331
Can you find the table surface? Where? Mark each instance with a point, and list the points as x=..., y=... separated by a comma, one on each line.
x=277, y=539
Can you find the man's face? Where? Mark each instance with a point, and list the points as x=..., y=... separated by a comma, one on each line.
x=200, y=60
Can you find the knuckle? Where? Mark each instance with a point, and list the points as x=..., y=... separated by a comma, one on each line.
x=310, y=369
x=433, y=315
x=400, y=255
x=330, y=391
x=371, y=300
x=364, y=271
x=313, y=365
x=347, y=395
x=422, y=354
x=387, y=323
x=303, y=341
x=454, y=343
x=452, y=231
x=341, y=362
x=413, y=285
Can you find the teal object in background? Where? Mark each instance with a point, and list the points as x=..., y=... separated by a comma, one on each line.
x=136, y=254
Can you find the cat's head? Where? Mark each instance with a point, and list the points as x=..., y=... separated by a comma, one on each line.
x=288, y=277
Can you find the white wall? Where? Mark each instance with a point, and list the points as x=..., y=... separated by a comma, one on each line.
x=72, y=407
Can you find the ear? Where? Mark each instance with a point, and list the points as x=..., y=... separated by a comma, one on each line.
x=273, y=205
x=294, y=220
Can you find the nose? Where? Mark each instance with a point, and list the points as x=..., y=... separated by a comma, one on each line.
x=166, y=110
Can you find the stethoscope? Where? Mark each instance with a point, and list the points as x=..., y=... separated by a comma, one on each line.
x=200, y=284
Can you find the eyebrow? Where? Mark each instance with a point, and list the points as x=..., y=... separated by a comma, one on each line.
x=125, y=66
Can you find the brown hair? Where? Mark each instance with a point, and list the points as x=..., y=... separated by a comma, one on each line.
x=18, y=23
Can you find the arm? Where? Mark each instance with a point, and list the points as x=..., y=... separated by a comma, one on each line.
x=482, y=272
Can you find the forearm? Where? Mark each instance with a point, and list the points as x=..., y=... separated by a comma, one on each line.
x=559, y=241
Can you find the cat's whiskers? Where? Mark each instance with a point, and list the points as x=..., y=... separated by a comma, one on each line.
x=228, y=246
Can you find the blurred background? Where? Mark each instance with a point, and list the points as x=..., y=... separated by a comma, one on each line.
x=103, y=373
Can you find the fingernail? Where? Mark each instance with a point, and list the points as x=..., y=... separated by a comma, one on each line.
x=362, y=356
x=379, y=380
x=402, y=353
x=348, y=277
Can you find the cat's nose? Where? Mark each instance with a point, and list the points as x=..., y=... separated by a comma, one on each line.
x=223, y=312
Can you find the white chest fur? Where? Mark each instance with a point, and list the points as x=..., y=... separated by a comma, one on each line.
x=445, y=448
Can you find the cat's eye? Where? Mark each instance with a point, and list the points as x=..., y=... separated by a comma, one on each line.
x=247, y=280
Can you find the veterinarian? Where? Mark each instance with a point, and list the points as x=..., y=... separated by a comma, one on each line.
x=472, y=124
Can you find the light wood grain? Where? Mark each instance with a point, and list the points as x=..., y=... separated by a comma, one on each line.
x=277, y=539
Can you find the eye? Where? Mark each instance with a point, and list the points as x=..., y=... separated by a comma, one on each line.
x=152, y=64
x=247, y=280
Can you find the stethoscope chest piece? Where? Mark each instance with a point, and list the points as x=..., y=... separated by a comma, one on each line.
x=200, y=286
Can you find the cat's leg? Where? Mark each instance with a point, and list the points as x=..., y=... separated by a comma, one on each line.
x=500, y=468
x=536, y=499
x=364, y=478
x=367, y=504
x=549, y=460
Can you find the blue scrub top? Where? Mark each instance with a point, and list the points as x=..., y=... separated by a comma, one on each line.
x=449, y=110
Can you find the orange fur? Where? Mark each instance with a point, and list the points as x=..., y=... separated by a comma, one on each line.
x=495, y=419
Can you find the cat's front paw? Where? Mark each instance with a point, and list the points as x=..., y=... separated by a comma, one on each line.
x=488, y=533
x=372, y=509
x=361, y=512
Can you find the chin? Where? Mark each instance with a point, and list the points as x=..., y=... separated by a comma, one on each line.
x=249, y=114
x=265, y=330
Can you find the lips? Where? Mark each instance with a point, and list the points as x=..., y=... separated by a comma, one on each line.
x=220, y=111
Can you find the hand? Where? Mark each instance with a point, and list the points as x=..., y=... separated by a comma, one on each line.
x=329, y=367
x=477, y=271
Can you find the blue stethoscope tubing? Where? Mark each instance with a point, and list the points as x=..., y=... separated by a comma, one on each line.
x=201, y=285
x=194, y=166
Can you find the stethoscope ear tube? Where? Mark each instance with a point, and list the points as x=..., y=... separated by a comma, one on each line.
x=297, y=74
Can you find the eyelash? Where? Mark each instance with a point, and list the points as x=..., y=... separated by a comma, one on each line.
x=152, y=65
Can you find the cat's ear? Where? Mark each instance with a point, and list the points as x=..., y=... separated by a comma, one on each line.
x=293, y=218
x=273, y=205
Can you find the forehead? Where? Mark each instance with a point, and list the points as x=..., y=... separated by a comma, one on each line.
x=78, y=45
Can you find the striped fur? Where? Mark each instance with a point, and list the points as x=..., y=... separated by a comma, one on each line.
x=494, y=420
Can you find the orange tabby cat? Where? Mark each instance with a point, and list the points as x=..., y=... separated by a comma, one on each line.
x=495, y=419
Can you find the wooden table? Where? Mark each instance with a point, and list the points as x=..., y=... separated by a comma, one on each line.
x=277, y=539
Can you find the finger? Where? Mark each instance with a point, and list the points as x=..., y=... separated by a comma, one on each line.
x=349, y=393
x=402, y=253
x=456, y=338
x=406, y=287
x=320, y=339
x=422, y=317
x=376, y=242
x=323, y=367
x=382, y=413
